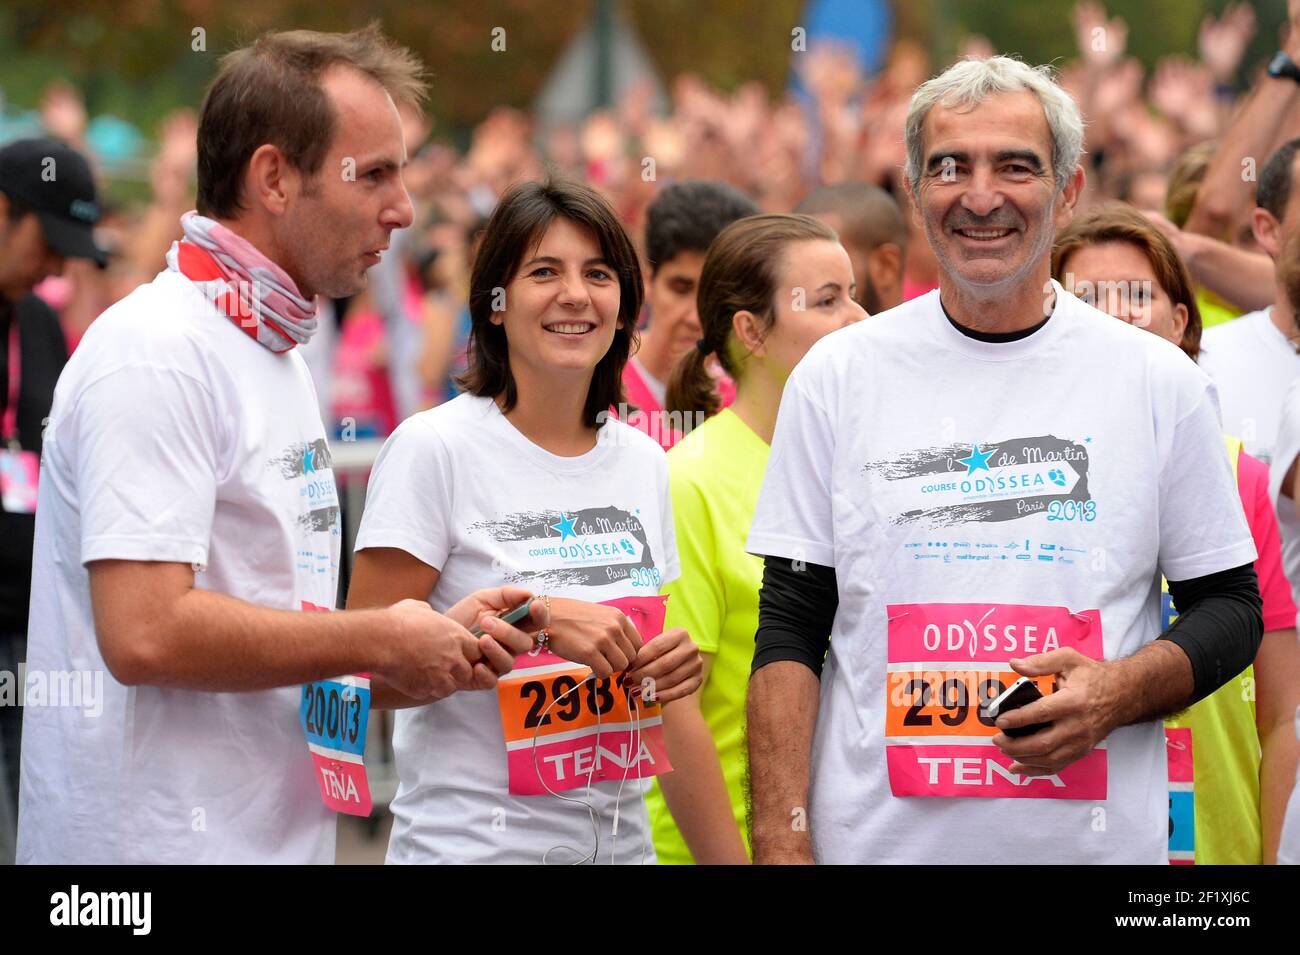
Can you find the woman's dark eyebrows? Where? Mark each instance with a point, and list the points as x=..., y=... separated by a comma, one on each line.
x=553, y=260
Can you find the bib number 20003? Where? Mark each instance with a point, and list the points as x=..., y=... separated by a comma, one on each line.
x=331, y=713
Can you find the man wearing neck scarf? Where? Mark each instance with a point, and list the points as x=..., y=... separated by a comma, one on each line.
x=188, y=513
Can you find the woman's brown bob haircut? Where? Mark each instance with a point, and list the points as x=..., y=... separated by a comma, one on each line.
x=516, y=227
x=269, y=93
x=1117, y=222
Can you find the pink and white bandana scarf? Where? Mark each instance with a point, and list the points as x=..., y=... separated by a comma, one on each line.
x=255, y=293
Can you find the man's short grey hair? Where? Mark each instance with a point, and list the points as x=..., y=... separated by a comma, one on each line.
x=968, y=83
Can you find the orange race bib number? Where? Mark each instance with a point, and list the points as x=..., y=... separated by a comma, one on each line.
x=563, y=728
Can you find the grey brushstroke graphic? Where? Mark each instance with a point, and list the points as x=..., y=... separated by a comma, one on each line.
x=321, y=519
x=294, y=462
x=537, y=525
x=942, y=462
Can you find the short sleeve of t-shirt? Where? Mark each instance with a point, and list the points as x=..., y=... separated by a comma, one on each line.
x=1202, y=526
x=1252, y=480
x=672, y=568
x=794, y=514
x=1286, y=448
x=695, y=600
x=409, y=500
x=144, y=443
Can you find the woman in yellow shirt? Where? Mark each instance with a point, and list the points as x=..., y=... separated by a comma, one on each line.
x=771, y=286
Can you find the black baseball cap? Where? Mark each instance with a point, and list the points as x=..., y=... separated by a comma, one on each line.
x=55, y=182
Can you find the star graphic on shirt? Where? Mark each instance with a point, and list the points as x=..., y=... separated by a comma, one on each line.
x=978, y=459
x=565, y=527
x=308, y=461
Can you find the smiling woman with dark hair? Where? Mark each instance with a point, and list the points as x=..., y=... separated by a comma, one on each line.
x=526, y=479
x=514, y=232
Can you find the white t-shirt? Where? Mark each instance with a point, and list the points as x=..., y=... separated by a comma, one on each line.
x=1252, y=364
x=318, y=353
x=1285, y=452
x=461, y=489
x=981, y=502
x=176, y=437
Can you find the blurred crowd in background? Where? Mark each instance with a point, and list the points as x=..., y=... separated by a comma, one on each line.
x=1151, y=137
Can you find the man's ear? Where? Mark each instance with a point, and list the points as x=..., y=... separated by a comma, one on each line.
x=749, y=332
x=1069, y=198
x=270, y=180
x=1268, y=231
x=913, y=203
x=885, y=263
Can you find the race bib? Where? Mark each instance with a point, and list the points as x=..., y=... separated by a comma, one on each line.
x=19, y=471
x=945, y=662
x=562, y=730
x=335, y=715
x=1182, y=796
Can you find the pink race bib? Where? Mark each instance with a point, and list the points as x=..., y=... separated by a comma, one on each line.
x=1182, y=796
x=562, y=729
x=335, y=716
x=945, y=662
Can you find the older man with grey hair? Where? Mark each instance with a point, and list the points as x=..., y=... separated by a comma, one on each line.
x=969, y=503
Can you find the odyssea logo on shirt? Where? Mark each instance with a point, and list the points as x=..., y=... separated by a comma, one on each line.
x=591, y=546
x=992, y=482
x=309, y=464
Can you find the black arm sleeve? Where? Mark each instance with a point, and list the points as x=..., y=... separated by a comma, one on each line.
x=796, y=608
x=1220, y=625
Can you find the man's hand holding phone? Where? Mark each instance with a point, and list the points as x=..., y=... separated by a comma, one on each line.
x=1073, y=720
x=502, y=621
